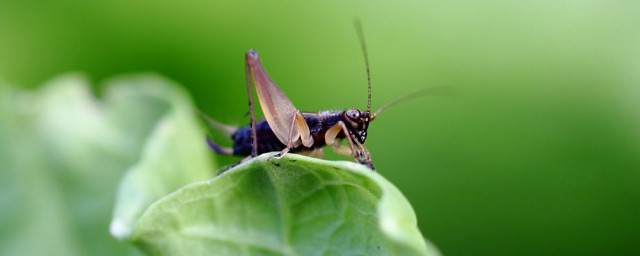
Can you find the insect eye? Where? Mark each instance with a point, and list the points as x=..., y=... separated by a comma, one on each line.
x=353, y=114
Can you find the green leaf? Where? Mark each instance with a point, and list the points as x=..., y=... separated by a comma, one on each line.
x=62, y=154
x=294, y=205
x=174, y=155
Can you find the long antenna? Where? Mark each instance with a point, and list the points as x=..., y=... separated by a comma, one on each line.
x=363, y=45
x=438, y=90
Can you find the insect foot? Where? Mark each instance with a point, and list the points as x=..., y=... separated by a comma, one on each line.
x=364, y=158
x=367, y=163
x=282, y=153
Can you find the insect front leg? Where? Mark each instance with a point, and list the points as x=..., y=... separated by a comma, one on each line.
x=364, y=157
x=332, y=133
x=355, y=150
x=342, y=149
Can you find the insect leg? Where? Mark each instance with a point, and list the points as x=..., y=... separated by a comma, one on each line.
x=332, y=133
x=290, y=140
x=254, y=137
x=362, y=155
x=342, y=149
x=303, y=127
x=300, y=123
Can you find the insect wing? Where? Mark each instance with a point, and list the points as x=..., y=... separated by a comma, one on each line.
x=277, y=108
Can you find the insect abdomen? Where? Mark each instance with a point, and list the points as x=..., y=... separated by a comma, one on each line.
x=267, y=140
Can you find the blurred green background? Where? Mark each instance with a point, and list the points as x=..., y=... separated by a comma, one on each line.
x=538, y=153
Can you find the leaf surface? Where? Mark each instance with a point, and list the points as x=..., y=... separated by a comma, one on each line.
x=293, y=205
x=173, y=155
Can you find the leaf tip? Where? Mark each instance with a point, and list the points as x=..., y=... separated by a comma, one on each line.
x=119, y=230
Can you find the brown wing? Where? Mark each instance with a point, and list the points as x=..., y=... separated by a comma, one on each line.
x=277, y=108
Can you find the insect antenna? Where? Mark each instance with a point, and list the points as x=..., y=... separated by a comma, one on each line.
x=438, y=90
x=363, y=45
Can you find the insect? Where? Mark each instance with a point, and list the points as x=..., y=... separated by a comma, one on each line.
x=287, y=129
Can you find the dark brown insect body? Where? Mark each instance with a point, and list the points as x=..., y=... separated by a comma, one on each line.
x=318, y=123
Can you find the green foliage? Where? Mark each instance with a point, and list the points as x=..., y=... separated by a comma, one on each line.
x=294, y=205
x=63, y=153
x=173, y=155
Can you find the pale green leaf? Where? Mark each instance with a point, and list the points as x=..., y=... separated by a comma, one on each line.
x=62, y=154
x=293, y=205
x=174, y=155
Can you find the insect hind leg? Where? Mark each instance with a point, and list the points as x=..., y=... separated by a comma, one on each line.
x=219, y=149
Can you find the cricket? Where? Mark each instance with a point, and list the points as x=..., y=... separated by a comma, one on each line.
x=288, y=130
